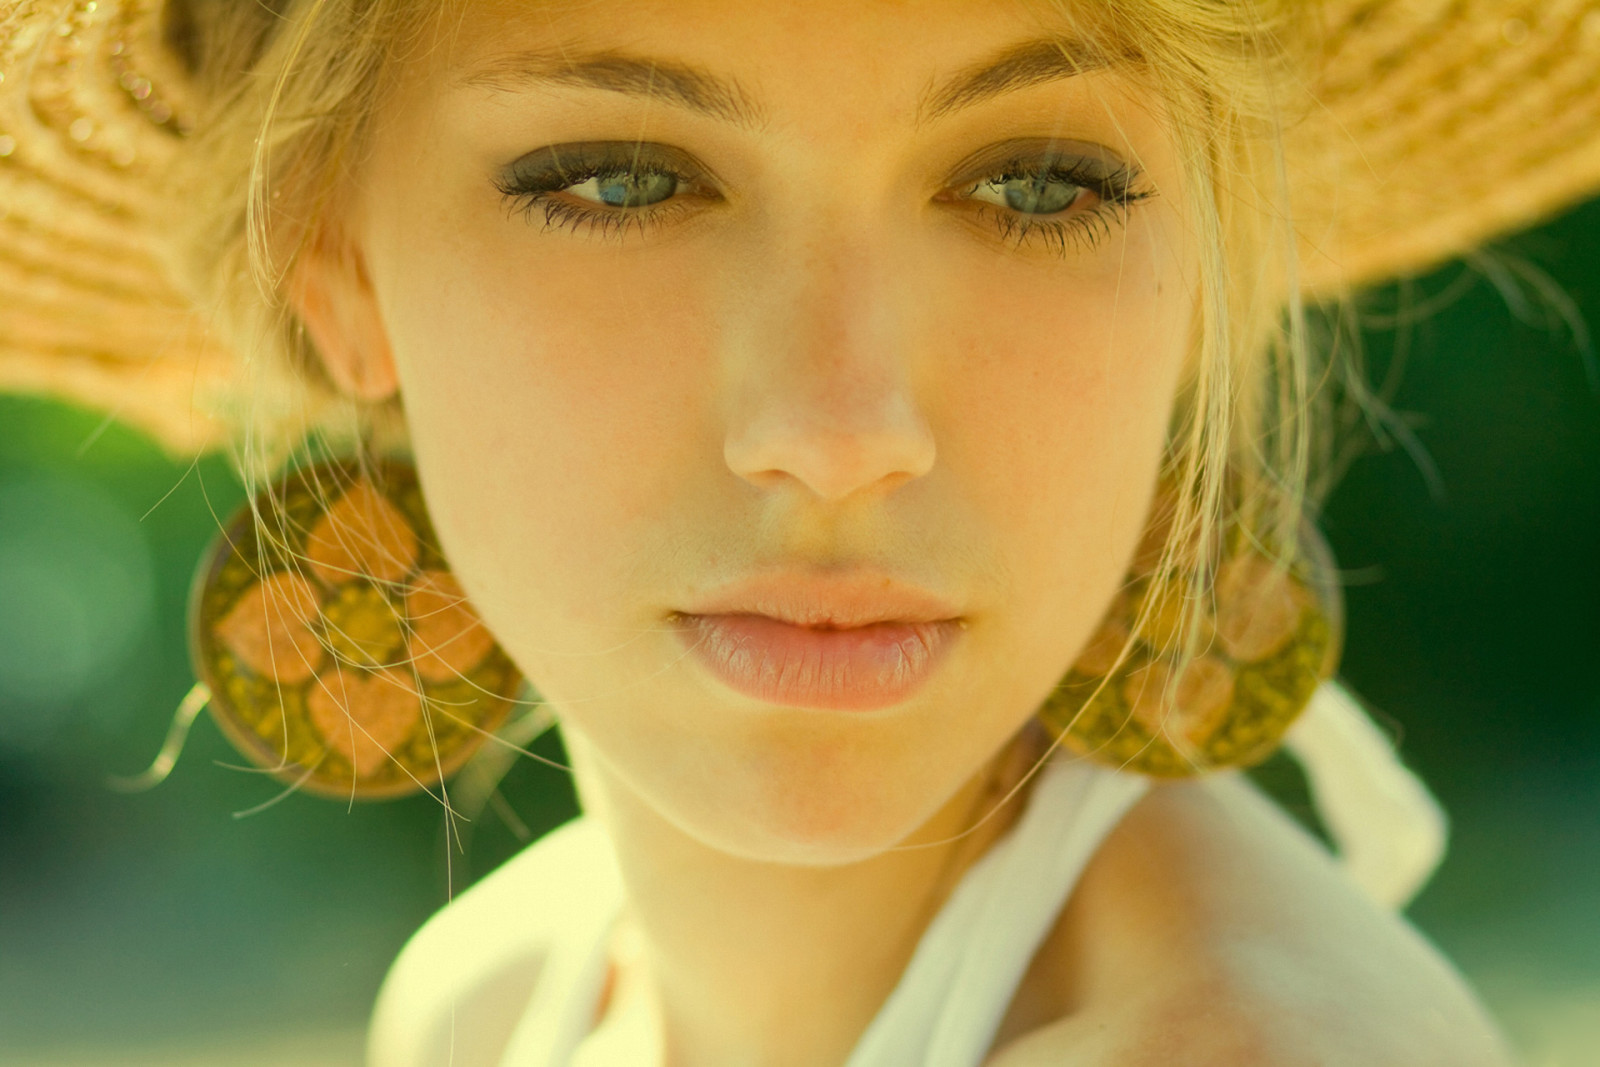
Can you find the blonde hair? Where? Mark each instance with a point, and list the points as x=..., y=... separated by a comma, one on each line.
x=292, y=86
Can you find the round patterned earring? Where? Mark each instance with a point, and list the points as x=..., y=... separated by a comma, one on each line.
x=1271, y=635
x=339, y=652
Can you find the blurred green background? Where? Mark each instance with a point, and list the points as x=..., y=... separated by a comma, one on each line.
x=160, y=928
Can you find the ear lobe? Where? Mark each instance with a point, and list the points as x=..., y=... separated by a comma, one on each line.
x=329, y=289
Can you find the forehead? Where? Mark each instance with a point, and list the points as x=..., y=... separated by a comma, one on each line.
x=732, y=59
x=788, y=27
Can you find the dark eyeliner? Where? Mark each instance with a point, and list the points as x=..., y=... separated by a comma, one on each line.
x=1041, y=153
x=530, y=183
x=1116, y=185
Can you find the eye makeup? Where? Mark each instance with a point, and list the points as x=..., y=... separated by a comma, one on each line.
x=1065, y=196
x=605, y=187
x=1062, y=195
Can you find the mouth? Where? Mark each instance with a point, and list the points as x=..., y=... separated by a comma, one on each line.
x=850, y=645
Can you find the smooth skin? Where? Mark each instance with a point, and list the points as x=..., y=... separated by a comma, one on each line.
x=828, y=352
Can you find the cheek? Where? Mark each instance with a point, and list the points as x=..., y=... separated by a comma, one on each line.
x=1055, y=383
x=1063, y=388
x=555, y=410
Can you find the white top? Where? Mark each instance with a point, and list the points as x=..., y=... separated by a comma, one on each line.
x=465, y=978
x=955, y=991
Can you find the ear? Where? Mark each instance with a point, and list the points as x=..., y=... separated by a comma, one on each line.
x=330, y=291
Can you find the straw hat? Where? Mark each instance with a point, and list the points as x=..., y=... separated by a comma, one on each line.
x=1439, y=124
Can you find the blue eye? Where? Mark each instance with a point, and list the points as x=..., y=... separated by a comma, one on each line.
x=1043, y=192
x=632, y=188
x=612, y=187
x=1029, y=194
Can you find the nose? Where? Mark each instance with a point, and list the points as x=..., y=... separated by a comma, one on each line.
x=824, y=377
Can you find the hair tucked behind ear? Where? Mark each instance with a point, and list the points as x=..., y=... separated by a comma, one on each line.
x=290, y=89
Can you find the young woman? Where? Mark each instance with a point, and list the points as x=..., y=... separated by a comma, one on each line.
x=794, y=389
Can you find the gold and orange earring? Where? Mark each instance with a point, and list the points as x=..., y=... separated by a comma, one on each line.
x=1270, y=635
x=333, y=646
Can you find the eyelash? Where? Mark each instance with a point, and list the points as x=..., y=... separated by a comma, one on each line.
x=1116, y=190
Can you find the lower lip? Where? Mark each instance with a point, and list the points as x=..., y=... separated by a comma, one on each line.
x=858, y=669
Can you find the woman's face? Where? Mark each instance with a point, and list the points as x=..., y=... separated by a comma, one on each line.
x=788, y=381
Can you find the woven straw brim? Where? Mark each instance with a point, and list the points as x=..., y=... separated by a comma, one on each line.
x=87, y=310
x=1437, y=125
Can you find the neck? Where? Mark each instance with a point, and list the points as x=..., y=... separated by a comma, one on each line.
x=769, y=965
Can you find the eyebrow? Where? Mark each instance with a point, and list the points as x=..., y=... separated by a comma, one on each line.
x=697, y=89
x=690, y=87
x=1020, y=66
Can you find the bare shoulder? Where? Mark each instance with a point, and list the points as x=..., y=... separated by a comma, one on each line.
x=1210, y=930
x=457, y=989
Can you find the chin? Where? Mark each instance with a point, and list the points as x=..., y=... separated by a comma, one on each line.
x=814, y=813
x=798, y=788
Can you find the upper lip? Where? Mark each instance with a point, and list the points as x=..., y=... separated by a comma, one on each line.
x=831, y=600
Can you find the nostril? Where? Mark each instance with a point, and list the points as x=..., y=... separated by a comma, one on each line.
x=833, y=459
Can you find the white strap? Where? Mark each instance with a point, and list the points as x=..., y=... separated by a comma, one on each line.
x=966, y=969
x=560, y=1013
x=1390, y=831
